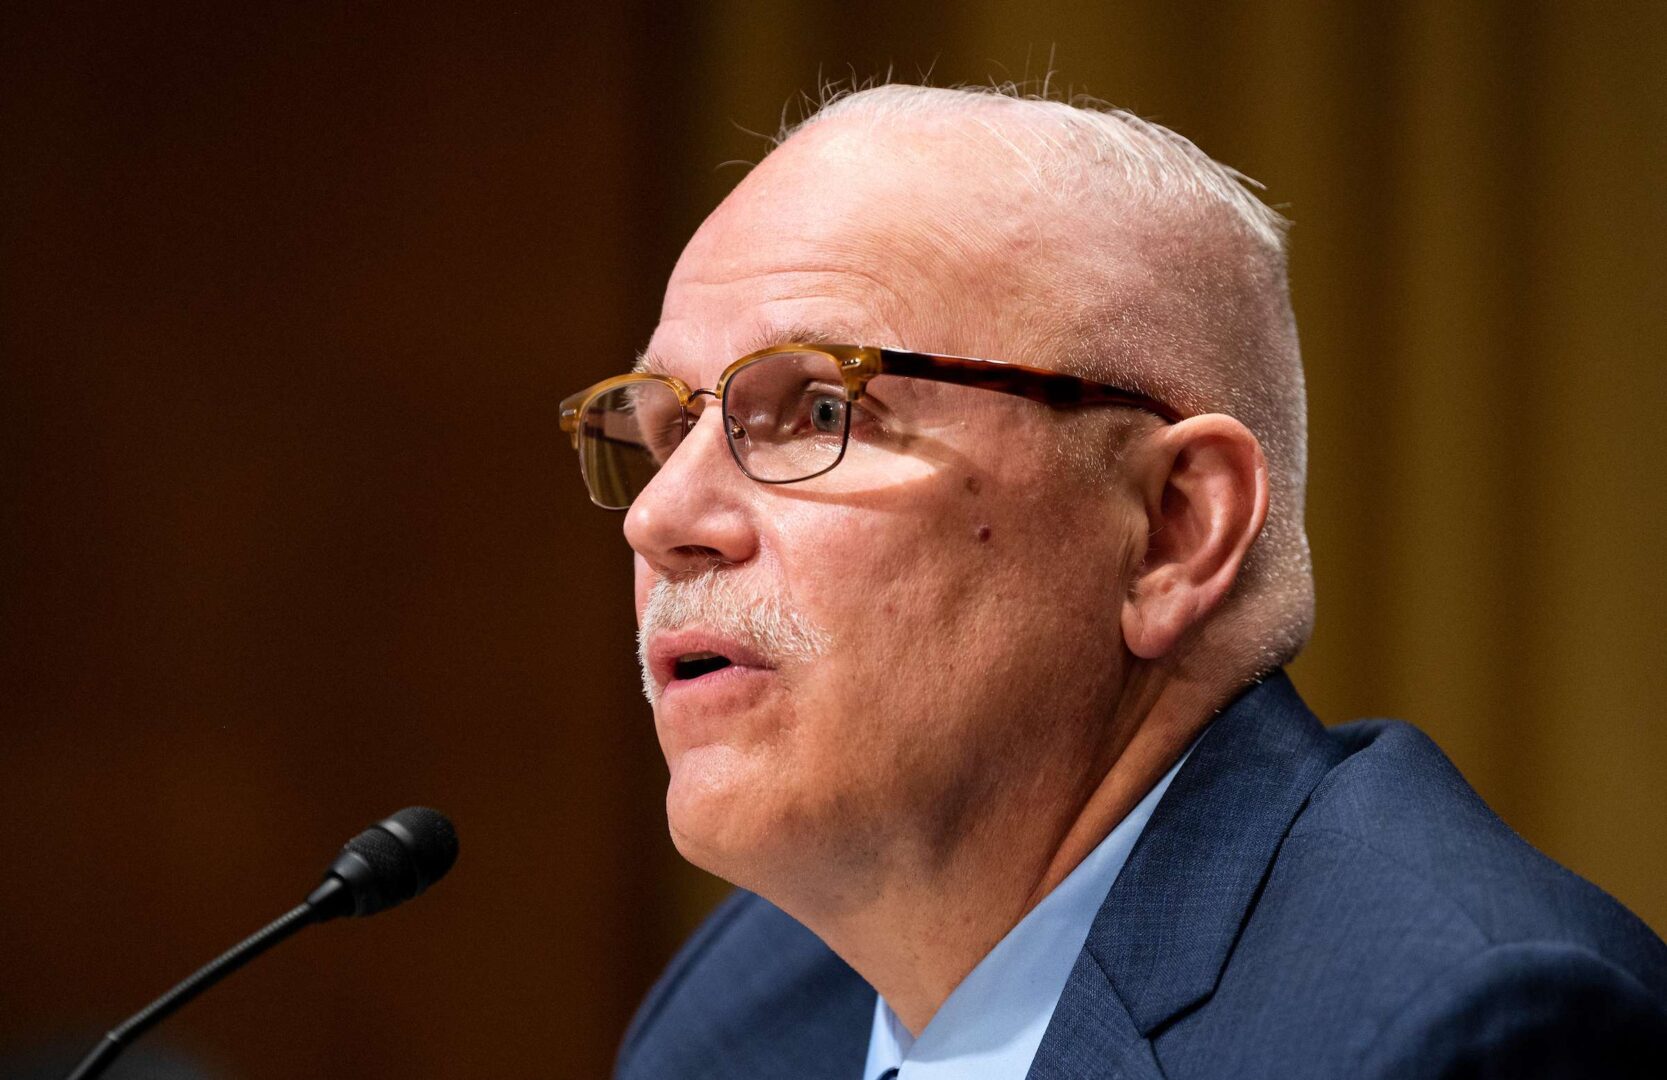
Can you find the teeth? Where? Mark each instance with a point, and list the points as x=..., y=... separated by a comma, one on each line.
x=686, y=657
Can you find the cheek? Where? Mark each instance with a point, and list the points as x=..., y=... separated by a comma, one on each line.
x=900, y=595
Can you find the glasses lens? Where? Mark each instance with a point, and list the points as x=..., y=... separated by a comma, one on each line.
x=786, y=416
x=625, y=435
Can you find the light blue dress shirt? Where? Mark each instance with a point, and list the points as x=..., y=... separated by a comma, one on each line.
x=992, y=1023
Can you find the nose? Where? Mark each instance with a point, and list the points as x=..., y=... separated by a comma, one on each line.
x=695, y=511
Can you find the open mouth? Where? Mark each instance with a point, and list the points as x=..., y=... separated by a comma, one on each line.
x=694, y=665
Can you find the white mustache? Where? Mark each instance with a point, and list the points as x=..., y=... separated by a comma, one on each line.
x=714, y=599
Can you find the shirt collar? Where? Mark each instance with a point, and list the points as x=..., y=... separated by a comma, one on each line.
x=994, y=1020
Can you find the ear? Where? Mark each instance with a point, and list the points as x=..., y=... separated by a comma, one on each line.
x=1204, y=486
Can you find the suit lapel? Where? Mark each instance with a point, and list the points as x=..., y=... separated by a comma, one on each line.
x=1163, y=935
x=1091, y=1036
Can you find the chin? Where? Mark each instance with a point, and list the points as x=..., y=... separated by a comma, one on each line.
x=743, y=818
x=723, y=812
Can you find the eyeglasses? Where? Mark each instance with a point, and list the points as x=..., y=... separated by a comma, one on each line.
x=786, y=410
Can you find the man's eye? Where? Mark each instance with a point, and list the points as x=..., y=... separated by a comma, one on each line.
x=821, y=410
x=827, y=413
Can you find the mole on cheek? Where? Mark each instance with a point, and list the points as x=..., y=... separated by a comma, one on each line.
x=983, y=534
x=973, y=485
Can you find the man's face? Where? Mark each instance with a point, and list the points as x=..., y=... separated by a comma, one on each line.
x=947, y=598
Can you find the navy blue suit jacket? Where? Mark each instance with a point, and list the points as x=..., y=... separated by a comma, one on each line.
x=1303, y=903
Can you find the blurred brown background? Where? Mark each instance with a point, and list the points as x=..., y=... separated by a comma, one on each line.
x=287, y=298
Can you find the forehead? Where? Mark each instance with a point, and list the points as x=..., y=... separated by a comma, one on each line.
x=903, y=239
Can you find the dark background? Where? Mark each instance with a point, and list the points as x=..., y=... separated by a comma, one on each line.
x=290, y=539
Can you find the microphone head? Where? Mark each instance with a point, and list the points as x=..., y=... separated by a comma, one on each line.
x=387, y=864
x=427, y=835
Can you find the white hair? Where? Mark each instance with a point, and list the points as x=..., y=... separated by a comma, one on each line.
x=1083, y=133
x=1238, y=354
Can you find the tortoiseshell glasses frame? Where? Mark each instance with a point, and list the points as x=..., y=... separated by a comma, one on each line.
x=614, y=476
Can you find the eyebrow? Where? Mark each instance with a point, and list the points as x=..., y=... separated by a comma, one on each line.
x=649, y=362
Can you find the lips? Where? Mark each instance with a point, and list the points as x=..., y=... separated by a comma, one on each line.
x=687, y=656
x=694, y=665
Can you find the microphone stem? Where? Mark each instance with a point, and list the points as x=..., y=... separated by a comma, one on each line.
x=128, y=1031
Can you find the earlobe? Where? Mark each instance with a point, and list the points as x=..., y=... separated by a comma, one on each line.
x=1205, y=489
x=1157, y=612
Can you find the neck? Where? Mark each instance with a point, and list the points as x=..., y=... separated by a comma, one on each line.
x=927, y=919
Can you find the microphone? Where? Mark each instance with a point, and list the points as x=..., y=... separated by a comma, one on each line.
x=387, y=864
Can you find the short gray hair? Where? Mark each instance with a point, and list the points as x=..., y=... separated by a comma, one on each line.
x=1084, y=132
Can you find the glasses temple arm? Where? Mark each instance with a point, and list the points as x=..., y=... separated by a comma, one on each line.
x=1054, y=388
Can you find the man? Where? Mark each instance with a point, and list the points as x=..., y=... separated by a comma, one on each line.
x=964, y=473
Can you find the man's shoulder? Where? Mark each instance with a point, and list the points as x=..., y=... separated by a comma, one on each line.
x=1393, y=824
x=1403, y=922
x=751, y=993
